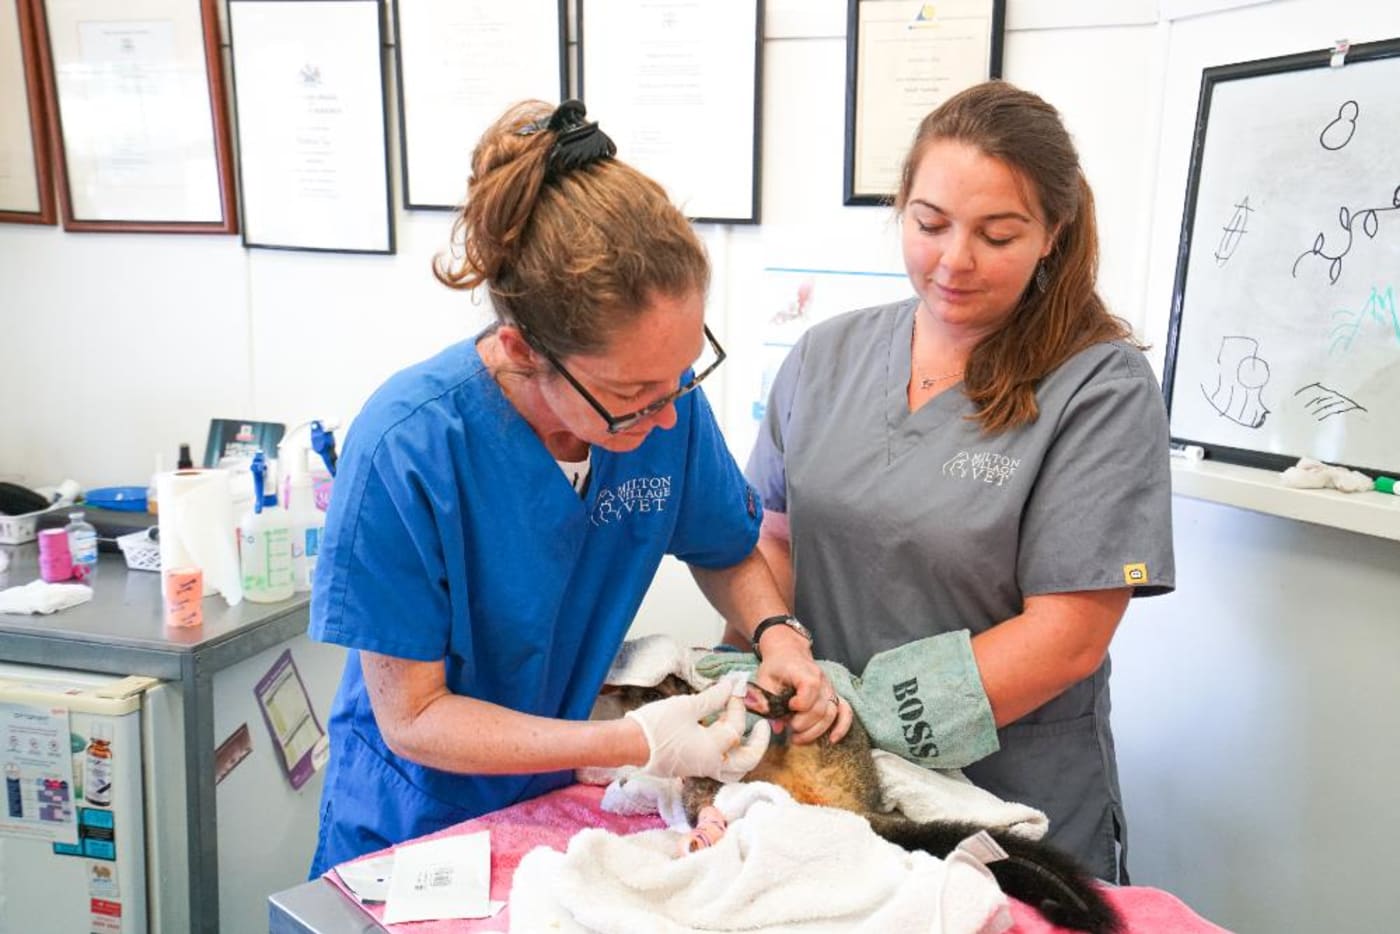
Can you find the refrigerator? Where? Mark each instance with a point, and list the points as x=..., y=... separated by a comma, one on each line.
x=95, y=838
x=73, y=830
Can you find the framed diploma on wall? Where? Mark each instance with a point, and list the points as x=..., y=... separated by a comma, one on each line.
x=461, y=63
x=676, y=85
x=309, y=96
x=137, y=97
x=903, y=59
x=26, y=183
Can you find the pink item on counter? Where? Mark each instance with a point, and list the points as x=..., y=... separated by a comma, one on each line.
x=55, y=560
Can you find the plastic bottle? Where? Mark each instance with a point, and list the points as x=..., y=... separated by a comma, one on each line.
x=13, y=795
x=152, y=492
x=307, y=522
x=265, y=545
x=82, y=544
x=97, y=766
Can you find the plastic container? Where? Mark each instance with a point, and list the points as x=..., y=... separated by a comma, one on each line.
x=306, y=520
x=152, y=493
x=142, y=553
x=55, y=558
x=82, y=544
x=97, y=767
x=183, y=589
x=117, y=498
x=265, y=546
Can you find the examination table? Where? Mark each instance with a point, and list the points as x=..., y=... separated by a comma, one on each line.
x=322, y=906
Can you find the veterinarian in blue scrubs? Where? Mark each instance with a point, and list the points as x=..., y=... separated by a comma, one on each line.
x=991, y=454
x=501, y=509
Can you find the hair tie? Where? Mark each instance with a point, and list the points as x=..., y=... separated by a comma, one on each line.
x=578, y=142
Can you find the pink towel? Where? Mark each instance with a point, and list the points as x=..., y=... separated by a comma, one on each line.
x=552, y=819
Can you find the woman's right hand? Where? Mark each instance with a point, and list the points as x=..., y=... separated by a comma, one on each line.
x=682, y=748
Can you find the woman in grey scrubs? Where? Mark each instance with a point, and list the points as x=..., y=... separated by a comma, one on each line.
x=990, y=455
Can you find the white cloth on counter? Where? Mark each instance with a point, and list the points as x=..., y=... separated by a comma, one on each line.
x=780, y=867
x=39, y=596
x=1309, y=474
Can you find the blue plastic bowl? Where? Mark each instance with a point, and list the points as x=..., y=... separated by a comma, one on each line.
x=118, y=498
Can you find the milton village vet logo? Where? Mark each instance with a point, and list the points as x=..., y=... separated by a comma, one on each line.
x=982, y=466
x=638, y=495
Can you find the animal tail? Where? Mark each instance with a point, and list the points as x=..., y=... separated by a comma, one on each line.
x=1033, y=872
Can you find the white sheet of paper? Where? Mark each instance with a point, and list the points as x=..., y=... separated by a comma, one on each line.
x=446, y=878
x=368, y=878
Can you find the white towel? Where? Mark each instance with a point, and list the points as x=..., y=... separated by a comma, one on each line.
x=646, y=661
x=632, y=791
x=927, y=795
x=781, y=867
x=39, y=596
x=1310, y=474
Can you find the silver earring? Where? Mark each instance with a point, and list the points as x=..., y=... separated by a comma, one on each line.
x=1042, y=278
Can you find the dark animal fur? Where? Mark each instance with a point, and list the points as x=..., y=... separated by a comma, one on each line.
x=843, y=775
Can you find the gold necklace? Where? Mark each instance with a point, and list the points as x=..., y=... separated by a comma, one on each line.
x=927, y=382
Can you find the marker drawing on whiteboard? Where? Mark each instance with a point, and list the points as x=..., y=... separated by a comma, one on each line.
x=1239, y=383
x=1233, y=232
x=1322, y=402
x=1346, y=220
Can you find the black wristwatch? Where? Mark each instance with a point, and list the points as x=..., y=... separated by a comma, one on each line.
x=786, y=619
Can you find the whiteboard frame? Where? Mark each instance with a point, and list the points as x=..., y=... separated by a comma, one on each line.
x=1210, y=77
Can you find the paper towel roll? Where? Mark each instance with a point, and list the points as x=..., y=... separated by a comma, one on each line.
x=197, y=528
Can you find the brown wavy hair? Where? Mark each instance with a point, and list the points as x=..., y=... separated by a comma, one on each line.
x=1048, y=327
x=571, y=259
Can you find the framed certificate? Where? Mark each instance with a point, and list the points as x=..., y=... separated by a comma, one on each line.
x=26, y=186
x=308, y=90
x=903, y=59
x=675, y=83
x=461, y=63
x=136, y=94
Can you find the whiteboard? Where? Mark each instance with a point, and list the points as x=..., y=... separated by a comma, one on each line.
x=1285, y=332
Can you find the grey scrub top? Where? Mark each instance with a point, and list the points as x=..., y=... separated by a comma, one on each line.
x=909, y=524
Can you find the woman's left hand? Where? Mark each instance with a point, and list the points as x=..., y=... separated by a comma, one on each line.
x=817, y=709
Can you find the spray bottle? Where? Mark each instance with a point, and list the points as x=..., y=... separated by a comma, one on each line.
x=265, y=545
x=307, y=522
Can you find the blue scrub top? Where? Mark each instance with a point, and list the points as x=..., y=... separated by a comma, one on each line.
x=452, y=534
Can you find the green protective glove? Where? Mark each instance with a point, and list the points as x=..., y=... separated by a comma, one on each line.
x=923, y=700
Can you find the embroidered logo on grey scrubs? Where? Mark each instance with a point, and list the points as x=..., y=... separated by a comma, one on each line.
x=983, y=466
x=638, y=495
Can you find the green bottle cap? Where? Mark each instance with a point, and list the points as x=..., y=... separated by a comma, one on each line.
x=1386, y=484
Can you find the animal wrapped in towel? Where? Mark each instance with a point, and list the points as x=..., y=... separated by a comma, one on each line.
x=844, y=775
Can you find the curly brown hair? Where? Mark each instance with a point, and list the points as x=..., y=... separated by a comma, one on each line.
x=1047, y=327
x=571, y=258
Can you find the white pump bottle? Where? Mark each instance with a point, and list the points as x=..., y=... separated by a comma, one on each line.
x=299, y=500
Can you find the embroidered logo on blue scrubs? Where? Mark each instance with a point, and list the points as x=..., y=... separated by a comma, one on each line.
x=632, y=497
x=982, y=466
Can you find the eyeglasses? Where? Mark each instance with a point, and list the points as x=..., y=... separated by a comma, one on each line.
x=618, y=423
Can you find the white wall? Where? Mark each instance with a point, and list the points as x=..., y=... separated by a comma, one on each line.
x=1255, y=707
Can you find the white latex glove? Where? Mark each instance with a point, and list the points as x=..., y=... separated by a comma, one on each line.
x=682, y=748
